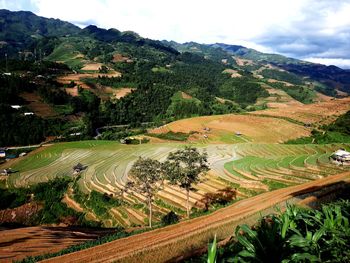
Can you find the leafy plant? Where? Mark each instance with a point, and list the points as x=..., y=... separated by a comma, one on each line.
x=212, y=252
x=297, y=235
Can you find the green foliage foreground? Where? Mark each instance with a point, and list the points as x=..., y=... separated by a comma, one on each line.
x=297, y=235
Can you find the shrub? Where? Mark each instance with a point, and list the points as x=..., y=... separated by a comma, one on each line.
x=170, y=218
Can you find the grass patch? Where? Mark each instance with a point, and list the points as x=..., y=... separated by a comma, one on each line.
x=101, y=203
x=63, y=109
x=161, y=203
x=173, y=136
x=274, y=185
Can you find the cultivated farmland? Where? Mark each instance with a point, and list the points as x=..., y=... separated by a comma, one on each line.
x=232, y=128
x=323, y=112
x=250, y=168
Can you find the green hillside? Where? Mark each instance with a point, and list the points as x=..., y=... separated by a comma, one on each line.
x=220, y=78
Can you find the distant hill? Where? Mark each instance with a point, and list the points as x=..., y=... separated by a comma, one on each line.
x=330, y=77
x=23, y=30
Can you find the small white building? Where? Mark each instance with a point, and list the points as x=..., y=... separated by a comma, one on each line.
x=341, y=156
x=28, y=113
x=75, y=134
x=16, y=107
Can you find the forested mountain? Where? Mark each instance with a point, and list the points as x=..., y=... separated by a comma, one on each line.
x=23, y=31
x=331, y=77
x=165, y=80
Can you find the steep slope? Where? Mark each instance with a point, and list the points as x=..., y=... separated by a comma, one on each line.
x=23, y=30
x=323, y=78
x=331, y=76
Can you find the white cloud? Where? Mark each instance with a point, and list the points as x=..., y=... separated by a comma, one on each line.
x=201, y=21
x=340, y=62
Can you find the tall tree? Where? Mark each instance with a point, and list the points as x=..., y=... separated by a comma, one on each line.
x=183, y=168
x=146, y=178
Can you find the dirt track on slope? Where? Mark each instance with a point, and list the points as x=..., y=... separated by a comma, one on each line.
x=170, y=242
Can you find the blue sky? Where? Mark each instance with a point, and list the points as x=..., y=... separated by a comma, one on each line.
x=313, y=30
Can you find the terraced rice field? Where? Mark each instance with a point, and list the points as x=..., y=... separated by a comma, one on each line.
x=108, y=165
x=250, y=168
x=267, y=167
x=224, y=129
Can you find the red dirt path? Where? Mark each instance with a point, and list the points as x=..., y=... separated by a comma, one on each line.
x=170, y=242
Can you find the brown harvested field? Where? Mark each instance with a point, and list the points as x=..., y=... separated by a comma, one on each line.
x=323, y=112
x=72, y=91
x=222, y=100
x=277, y=99
x=279, y=81
x=37, y=105
x=120, y=58
x=92, y=66
x=255, y=128
x=121, y=92
x=16, y=244
x=243, y=62
x=165, y=244
x=321, y=97
x=185, y=95
x=233, y=73
x=78, y=79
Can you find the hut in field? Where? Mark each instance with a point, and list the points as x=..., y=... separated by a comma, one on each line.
x=7, y=171
x=341, y=156
x=78, y=168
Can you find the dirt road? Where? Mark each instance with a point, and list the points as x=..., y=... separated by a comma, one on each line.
x=164, y=244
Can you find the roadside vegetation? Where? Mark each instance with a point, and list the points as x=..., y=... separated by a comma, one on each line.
x=296, y=235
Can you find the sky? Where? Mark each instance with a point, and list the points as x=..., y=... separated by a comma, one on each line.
x=312, y=30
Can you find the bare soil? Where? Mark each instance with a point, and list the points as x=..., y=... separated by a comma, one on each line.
x=243, y=62
x=233, y=73
x=20, y=215
x=120, y=58
x=92, y=66
x=185, y=95
x=121, y=92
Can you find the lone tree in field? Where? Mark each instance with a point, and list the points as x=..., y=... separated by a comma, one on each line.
x=146, y=178
x=183, y=168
